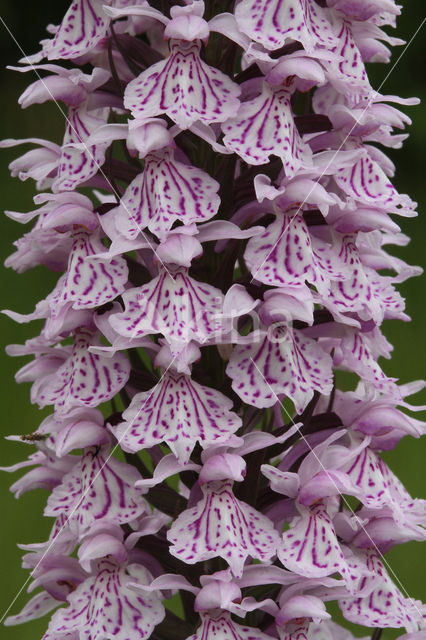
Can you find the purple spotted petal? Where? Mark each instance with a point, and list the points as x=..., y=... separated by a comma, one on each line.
x=366, y=183
x=183, y=87
x=79, y=162
x=104, y=608
x=379, y=487
x=40, y=246
x=367, y=294
x=221, y=525
x=329, y=630
x=180, y=412
x=355, y=294
x=61, y=539
x=292, y=365
x=347, y=74
x=223, y=627
x=36, y=607
x=98, y=487
x=38, y=164
x=265, y=126
x=385, y=606
x=285, y=482
x=310, y=547
x=390, y=300
x=83, y=26
x=356, y=355
x=166, y=191
x=174, y=305
x=84, y=379
x=286, y=254
x=273, y=23
x=365, y=9
x=89, y=282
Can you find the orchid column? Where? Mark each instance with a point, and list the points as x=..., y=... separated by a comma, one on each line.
x=207, y=476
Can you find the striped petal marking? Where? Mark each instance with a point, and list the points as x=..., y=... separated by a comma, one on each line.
x=265, y=126
x=180, y=412
x=292, y=365
x=103, y=606
x=347, y=74
x=358, y=357
x=362, y=291
x=84, y=25
x=273, y=23
x=98, y=487
x=173, y=304
x=286, y=254
x=366, y=183
x=90, y=283
x=221, y=525
x=310, y=547
x=84, y=379
x=76, y=165
x=183, y=87
x=379, y=486
x=165, y=192
x=385, y=606
x=224, y=628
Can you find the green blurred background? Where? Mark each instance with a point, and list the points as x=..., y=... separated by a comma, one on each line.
x=23, y=521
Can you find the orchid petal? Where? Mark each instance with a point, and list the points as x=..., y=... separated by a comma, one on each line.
x=183, y=87
x=99, y=487
x=166, y=191
x=294, y=366
x=78, y=162
x=263, y=127
x=175, y=305
x=168, y=466
x=366, y=182
x=274, y=23
x=225, y=628
x=221, y=525
x=83, y=17
x=385, y=606
x=90, y=282
x=84, y=379
x=347, y=75
x=180, y=412
x=37, y=607
x=310, y=547
x=104, y=607
x=286, y=254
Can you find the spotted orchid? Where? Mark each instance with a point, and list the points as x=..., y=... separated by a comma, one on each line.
x=208, y=477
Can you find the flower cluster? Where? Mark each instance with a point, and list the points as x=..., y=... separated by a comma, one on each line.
x=207, y=477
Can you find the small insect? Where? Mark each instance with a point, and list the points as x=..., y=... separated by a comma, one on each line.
x=33, y=437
